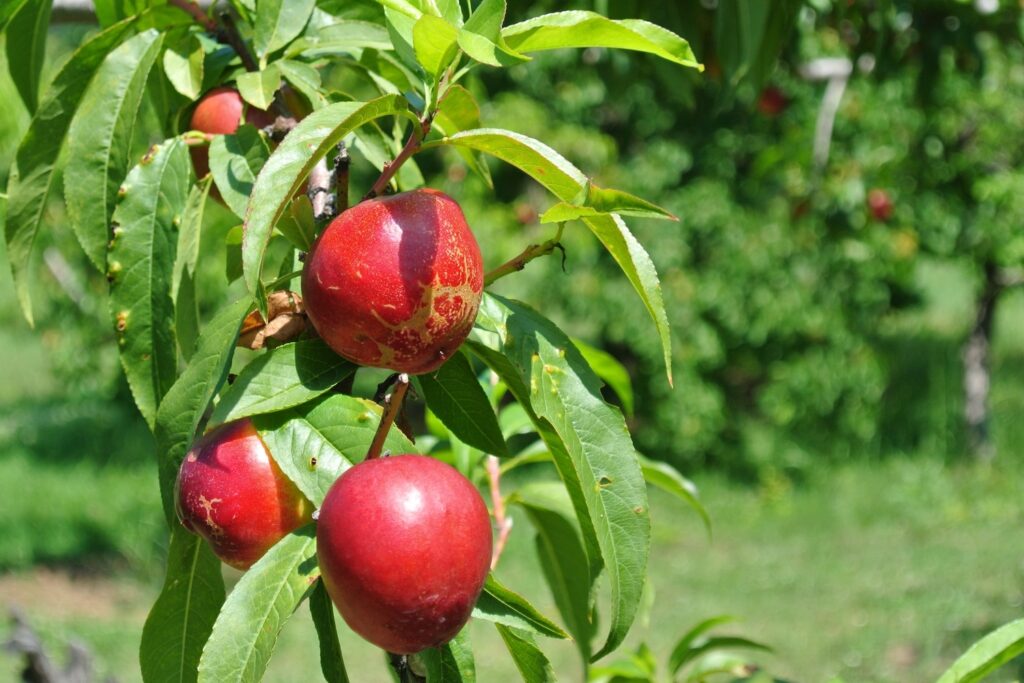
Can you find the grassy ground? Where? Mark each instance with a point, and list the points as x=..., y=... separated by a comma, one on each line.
x=874, y=572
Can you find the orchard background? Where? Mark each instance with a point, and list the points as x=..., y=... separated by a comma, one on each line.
x=847, y=346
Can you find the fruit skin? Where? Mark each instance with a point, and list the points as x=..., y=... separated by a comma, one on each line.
x=404, y=544
x=880, y=204
x=232, y=493
x=220, y=112
x=395, y=282
x=772, y=102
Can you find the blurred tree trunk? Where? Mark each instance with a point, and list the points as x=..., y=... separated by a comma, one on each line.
x=978, y=368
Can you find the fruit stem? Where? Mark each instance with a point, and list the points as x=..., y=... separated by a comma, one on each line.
x=531, y=252
x=411, y=146
x=196, y=12
x=392, y=404
x=503, y=521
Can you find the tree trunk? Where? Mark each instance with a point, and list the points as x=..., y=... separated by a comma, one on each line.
x=977, y=368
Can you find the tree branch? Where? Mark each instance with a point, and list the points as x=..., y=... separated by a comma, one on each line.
x=392, y=404
x=531, y=252
x=503, y=521
x=411, y=146
x=341, y=173
x=197, y=13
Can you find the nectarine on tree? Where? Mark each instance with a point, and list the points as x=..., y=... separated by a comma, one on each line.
x=395, y=282
x=232, y=493
x=404, y=544
x=220, y=112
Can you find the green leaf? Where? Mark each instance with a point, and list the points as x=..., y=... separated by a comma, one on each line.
x=435, y=42
x=450, y=663
x=459, y=111
x=567, y=182
x=182, y=617
x=454, y=393
x=695, y=632
x=611, y=371
x=278, y=23
x=481, y=38
x=298, y=225
x=589, y=29
x=503, y=606
x=595, y=201
x=315, y=443
x=100, y=140
x=32, y=176
x=246, y=631
x=332, y=663
x=291, y=162
x=183, y=278
x=141, y=264
x=533, y=666
x=563, y=558
x=668, y=479
x=183, y=63
x=182, y=409
x=26, y=48
x=8, y=10
x=258, y=87
x=235, y=161
x=987, y=655
x=342, y=38
x=305, y=79
x=281, y=378
x=587, y=438
x=702, y=646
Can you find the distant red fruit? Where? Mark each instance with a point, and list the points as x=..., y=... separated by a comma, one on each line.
x=395, y=282
x=772, y=101
x=404, y=544
x=880, y=204
x=232, y=493
x=221, y=112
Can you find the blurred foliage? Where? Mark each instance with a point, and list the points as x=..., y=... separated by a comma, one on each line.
x=793, y=306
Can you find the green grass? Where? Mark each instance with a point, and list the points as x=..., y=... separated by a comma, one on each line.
x=875, y=572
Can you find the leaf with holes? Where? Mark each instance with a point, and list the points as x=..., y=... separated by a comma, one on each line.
x=140, y=270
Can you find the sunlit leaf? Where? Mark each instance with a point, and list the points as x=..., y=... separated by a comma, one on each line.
x=247, y=628
x=589, y=29
x=454, y=393
x=100, y=141
x=235, y=161
x=588, y=440
x=533, y=665
x=332, y=663
x=988, y=654
x=278, y=22
x=504, y=606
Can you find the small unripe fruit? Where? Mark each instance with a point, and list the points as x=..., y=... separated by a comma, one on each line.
x=220, y=112
x=232, y=493
x=880, y=204
x=404, y=545
x=395, y=282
